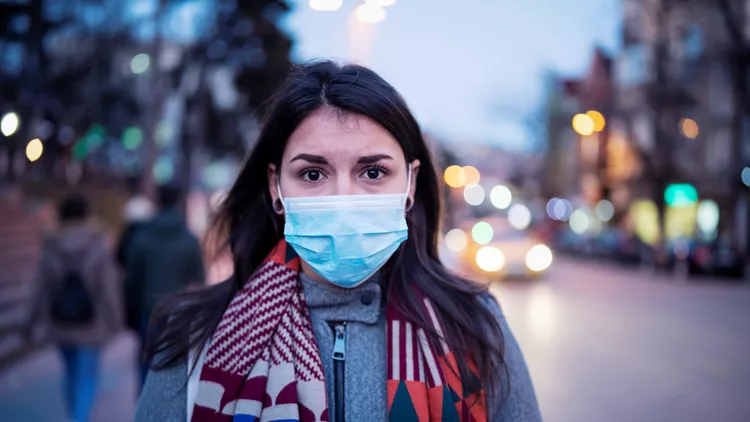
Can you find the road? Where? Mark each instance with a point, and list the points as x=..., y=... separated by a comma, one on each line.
x=31, y=391
x=602, y=345
x=612, y=345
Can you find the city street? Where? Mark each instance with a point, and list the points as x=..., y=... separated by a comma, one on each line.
x=614, y=345
x=602, y=344
x=31, y=391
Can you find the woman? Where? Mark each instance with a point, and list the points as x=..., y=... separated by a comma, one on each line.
x=339, y=308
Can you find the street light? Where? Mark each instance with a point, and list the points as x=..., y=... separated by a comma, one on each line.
x=325, y=5
x=501, y=197
x=689, y=128
x=370, y=13
x=455, y=176
x=598, y=119
x=583, y=124
x=9, y=124
x=472, y=175
x=34, y=149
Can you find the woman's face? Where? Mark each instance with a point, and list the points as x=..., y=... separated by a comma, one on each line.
x=341, y=154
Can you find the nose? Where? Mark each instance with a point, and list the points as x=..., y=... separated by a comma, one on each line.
x=344, y=186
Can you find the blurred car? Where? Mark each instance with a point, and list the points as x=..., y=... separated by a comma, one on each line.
x=495, y=250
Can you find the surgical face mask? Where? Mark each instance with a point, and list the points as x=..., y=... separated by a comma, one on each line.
x=346, y=238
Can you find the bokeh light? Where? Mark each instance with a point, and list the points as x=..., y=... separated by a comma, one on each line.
x=605, y=210
x=140, y=63
x=474, y=195
x=370, y=13
x=34, y=149
x=598, y=119
x=490, y=259
x=680, y=195
x=708, y=218
x=9, y=124
x=381, y=3
x=132, y=138
x=163, y=169
x=689, y=128
x=456, y=240
x=745, y=175
x=455, y=176
x=539, y=258
x=482, y=233
x=579, y=222
x=519, y=216
x=583, y=124
x=471, y=175
x=559, y=209
x=501, y=197
x=325, y=5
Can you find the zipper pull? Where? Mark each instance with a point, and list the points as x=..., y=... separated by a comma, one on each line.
x=339, y=343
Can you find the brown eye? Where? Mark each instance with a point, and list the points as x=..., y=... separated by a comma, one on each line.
x=313, y=175
x=372, y=174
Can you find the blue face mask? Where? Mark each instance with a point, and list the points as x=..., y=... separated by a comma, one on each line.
x=346, y=238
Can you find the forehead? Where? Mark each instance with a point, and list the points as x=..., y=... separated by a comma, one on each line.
x=332, y=134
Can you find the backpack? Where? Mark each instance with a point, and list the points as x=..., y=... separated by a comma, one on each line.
x=72, y=303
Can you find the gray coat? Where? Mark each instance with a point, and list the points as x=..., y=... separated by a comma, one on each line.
x=164, y=397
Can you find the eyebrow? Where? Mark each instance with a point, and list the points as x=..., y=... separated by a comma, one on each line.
x=371, y=159
x=318, y=159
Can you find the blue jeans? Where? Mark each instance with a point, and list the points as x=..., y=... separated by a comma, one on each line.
x=81, y=373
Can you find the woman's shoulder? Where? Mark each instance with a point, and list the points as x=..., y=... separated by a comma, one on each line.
x=490, y=302
x=164, y=394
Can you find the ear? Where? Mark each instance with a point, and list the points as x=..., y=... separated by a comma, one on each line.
x=273, y=189
x=413, y=187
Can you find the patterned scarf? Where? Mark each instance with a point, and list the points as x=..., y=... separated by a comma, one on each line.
x=263, y=363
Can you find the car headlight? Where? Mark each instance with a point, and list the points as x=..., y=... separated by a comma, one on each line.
x=539, y=258
x=490, y=259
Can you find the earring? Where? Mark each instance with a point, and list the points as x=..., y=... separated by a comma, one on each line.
x=278, y=207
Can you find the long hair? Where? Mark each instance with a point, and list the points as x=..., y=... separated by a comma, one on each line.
x=187, y=321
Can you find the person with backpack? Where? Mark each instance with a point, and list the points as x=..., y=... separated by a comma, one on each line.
x=77, y=292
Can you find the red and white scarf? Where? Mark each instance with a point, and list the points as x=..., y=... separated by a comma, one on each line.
x=263, y=363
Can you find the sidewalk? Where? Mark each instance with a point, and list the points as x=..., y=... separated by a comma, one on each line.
x=31, y=390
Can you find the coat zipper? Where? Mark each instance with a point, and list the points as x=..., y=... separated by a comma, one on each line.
x=339, y=356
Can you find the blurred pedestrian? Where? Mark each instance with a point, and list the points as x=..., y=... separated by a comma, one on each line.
x=339, y=308
x=164, y=258
x=78, y=292
x=137, y=213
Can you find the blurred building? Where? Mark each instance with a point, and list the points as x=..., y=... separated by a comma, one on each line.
x=674, y=116
x=561, y=166
x=678, y=101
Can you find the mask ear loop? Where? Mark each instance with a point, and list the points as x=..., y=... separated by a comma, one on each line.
x=279, y=200
x=408, y=203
